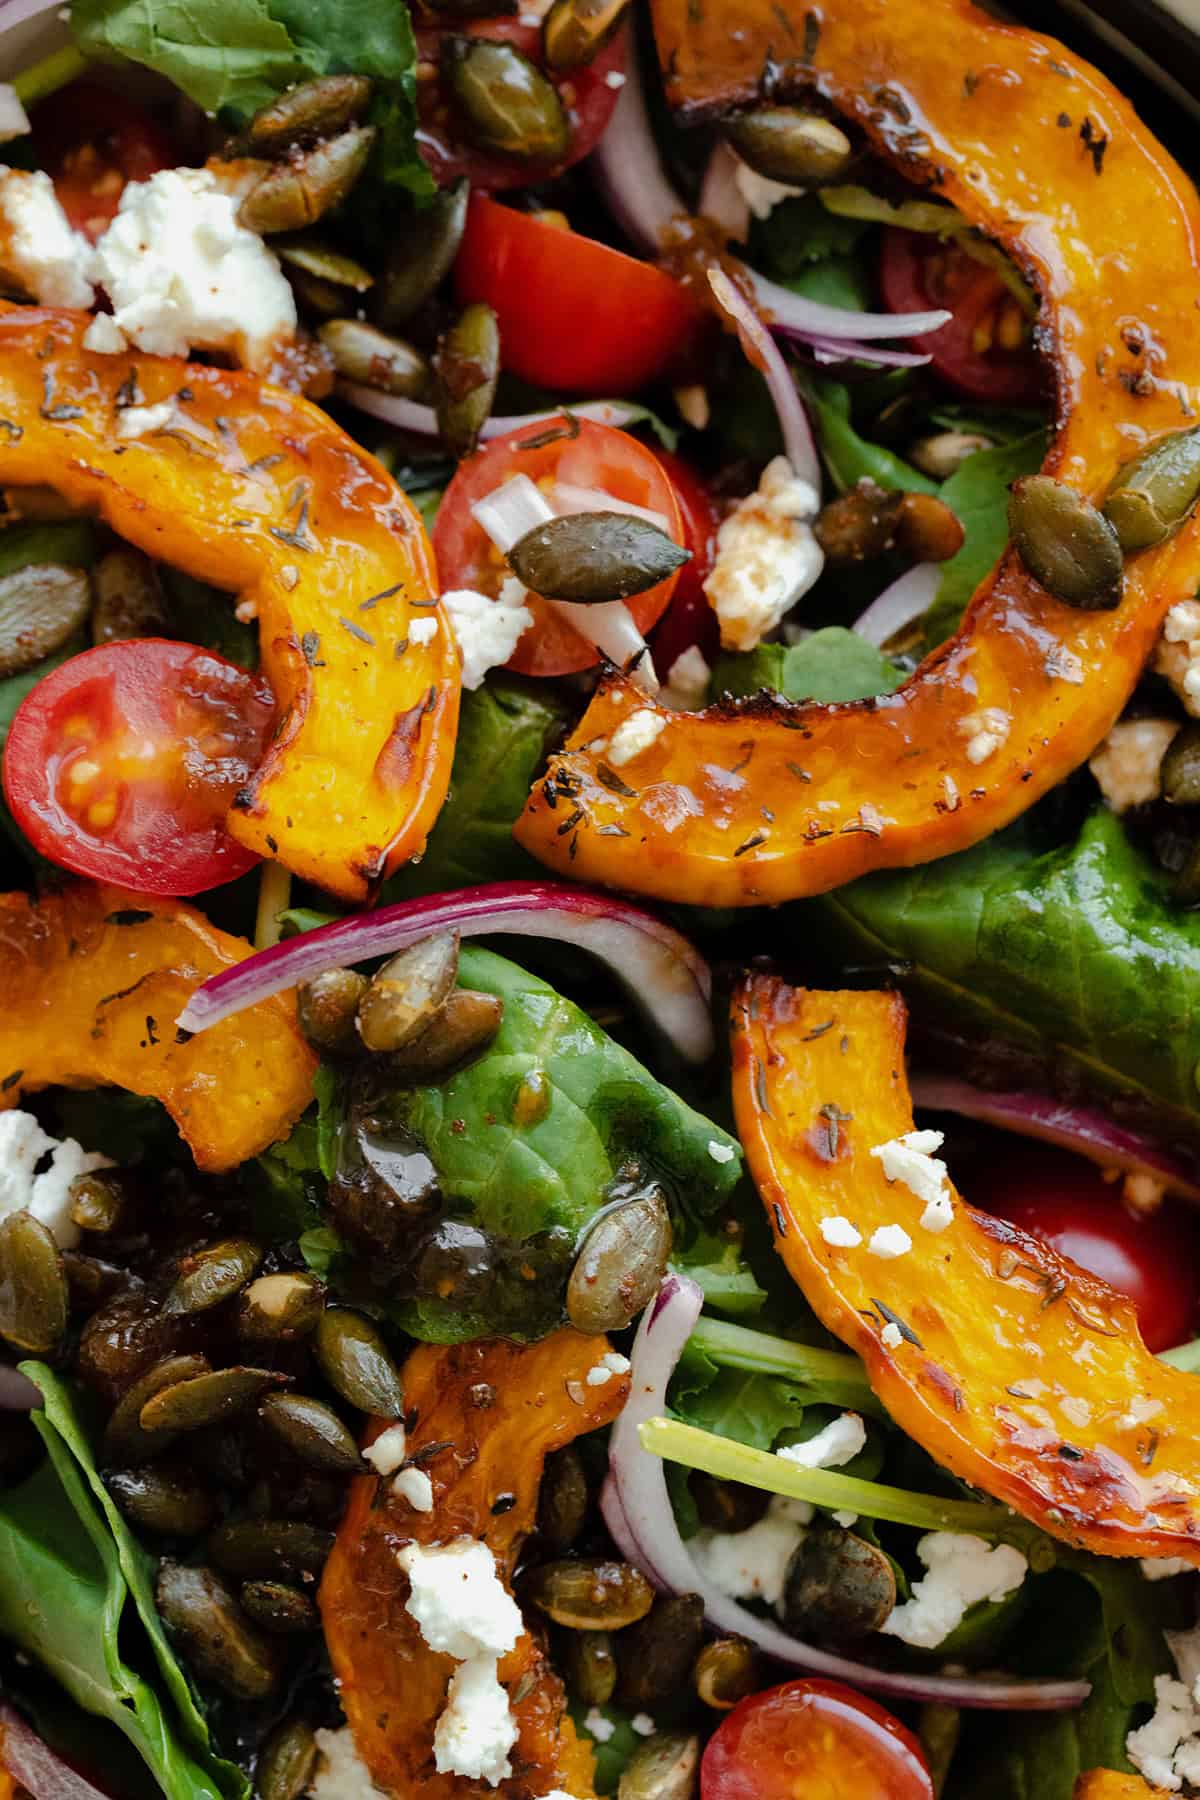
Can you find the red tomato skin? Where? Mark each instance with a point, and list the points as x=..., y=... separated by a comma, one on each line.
x=1000, y=377
x=1066, y=1202
x=591, y=456
x=575, y=316
x=689, y=620
x=813, y=1740
x=173, y=732
x=92, y=142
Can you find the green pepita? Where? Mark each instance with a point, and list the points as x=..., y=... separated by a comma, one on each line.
x=1180, y=768
x=505, y=103
x=296, y=193
x=725, y=1671
x=589, y=1666
x=161, y=1500
x=328, y=1006
x=463, y=1028
x=839, y=1587
x=129, y=600
x=213, y=1275
x=363, y=353
x=575, y=31
x=589, y=1595
x=727, y=1505
x=206, y=1399
x=621, y=1264
x=98, y=1201
x=313, y=256
x=656, y=1656
x=270, y=1549
x=41, y=606
x=213, y=1632
x=424, y=244
x=591, y=557
x=1153, y=495
x=1066, y=543
x=280, y=1307
x=286, y=1762
x=403, y=997
x=312, y=1431
x=358, y=1364
x=33, y=1287
x=279, y=1607
x=786, y=144
x=315, y=108
x=124, y=1439
x=663, y=1767
x=467, y=367
x=563, y=1499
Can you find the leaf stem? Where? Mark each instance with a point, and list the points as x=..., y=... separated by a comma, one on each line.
x=50, y=73
x=274, y=898
x=760, y=1353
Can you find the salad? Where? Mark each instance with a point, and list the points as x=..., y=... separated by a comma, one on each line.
x=599, y=964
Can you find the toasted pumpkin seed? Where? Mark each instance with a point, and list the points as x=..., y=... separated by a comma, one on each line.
x=363, y=353
x=927, y=529
x=129, y=600
x=358, y=1364
x=279, y=1607
x=575, y=31
x=206, y=1399
x=314, y=295
x=1153, y=495
x=33, y=1287
x=1066, y=543
x=656, y=1655
x=589, y=1666
x=589, y=1595
x=270, y=1549
x=621, y=1264
x=296, y=193
x=424, y=245
x=279, y=1307
x=286, y=1762
x=505, y=102
x=327, y=1007
x=727, y=1505
x=1179, y=771
x=312, y=1431
x=313, y=256
x=591, y=557
x=859, y=525
x=98, y=1201
x=563, y=1498
x=786, y=144
x=216, y=1636
x=725, y=1672
x=41, y=606
x=124, y=1439
x=92, y=1280
x=404, y=996
x=838, y=1587
x=663, y=1767
x=942, y=453
x=468, y=368
x=463, y=1028
x=314, y=108
x=162, y=1500
x=213, y=1275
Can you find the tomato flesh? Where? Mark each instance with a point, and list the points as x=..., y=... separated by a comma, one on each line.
x=689, y=620
x=92, y=142
x=575, y=316
x=813, y=1740
x=1155, y=1259
x=595, y=458
x=986, y=349
x=122, y=763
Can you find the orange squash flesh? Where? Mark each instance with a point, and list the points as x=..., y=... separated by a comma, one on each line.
x=1107, y=1784
x=764, y=801
x=91, y=981
x=499, y=1409
x=257, y=491
x=1027, y=1378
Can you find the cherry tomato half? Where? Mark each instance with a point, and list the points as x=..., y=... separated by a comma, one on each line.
x=92, y=141
x=813, y=1740
x=583, y=455
x=122, y=763
x=1063, y=1200
x=586, y=94
x=689, y=619
x=986, y=350
x=575, y=316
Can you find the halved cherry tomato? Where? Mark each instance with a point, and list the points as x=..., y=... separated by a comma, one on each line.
x=92, y=141
x=586, y=94
x=814, y=1739
x=986, y=349
x=577, y=452
x=122, y=763
x=689, y=620
x=575, y=316
x=1063, y=1200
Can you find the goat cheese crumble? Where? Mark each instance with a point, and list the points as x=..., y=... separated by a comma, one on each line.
x=721, y=1153
x=910, y=1160
x=634, y=735
x=889, y=1242
x=422, y=631
x=476, y=1729
x=39, y=249
x=387, y=1453
x=1177, y=654
x=415, y=1486
x=961, y=1571
x=597, y=1726
x=686, y=687
x=838, y=1442
x=610, y=1364
x=986, y=732
x=753, y=1564
x=141, y=421
x=891, y=1336
x=767, y=556
x=487, y=631
x=45, y=1191
x=840, y=1233
x=341, y=1772
x=1128, y=761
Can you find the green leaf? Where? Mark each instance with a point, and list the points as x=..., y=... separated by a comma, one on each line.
x=828, y=665
x=204, y=615
x=851, y=458
x=71, y=542
x=838, y=281
x=715, y=1263
x=224, y=54
x=978, y=493
x=753, y=1409
x=799, y=232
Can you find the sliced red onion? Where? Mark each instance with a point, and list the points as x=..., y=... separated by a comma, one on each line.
x=765, y=354
x=910, y=595
x=664, y=975
x=1083, y=1129
x=637, y=1500
x=17, y=1392
x=569, y=497
x=408, y=415
x=31, y=1762
x=509, y=511
x=833, y=350
x=788, y=312
x=721, y=198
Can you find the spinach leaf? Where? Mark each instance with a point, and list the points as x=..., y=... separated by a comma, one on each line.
x=836, y=281
x=715, y=1262
x=831, y=664
x=801, y=231
x=849, y=457
x=225, y=54
x=753, y=1409
x=978, y=493
x=71, y=542
x=205, y=615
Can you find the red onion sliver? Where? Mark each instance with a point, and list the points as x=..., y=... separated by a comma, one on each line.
x=764, y=352
x=721, y=199
x=785, y=311
x=31, y=1762
x=1083, y=1129
x=831, y=350
x=637, y=1502
x=664, y=975
x=910, y=595
x=409, y=415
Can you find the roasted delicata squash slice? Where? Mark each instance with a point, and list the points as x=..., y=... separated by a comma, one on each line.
x=1044, y=156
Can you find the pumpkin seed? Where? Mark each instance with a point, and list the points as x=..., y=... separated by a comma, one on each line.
x=33, y=1287
x=312, y=1431
x=129, y=601
x=927, y=529
x=162, y=1500
x=315, y=108
x=363, y=353
x=1180, y=768
x=424, y=245
x=316, y=296
x=838, y=1587
x=91, y=1280
x=463, y=1028
x=942, y=453
x=589, y=1666
x=213, y=1275
x=563, y=1499
x=313, y=256
x=621, y=1264
x=215, y=1635
x=279, y=1307
x=505, y=102
x=41, y=606
x=296, y=193
x=357, y=1363
x=589, y=1595
x=206, y=1399
x=383, y=1181
x=405, y=995
x=1153, y=495
x=286, y=1762
x=939, y=1728
x=1065, y=543
x=727, y=1505
x=327, y=1007
x=98, y=1201
x=656, y=1655
x=591, y=557
x=270, y=1549
x=468, y=368
x=279, y=1607
x=859, y=525
x=725, y=1672
x=575, y=31
x=663, y=1767
x=786, y=144
x=124, y=1439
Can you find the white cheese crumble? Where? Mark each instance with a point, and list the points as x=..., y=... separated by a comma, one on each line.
x=104, y=336
x=610, y=1364
x=24, y=1149
x=721, y=1153
x=634, y=735
x=1177, y=655
x=422, y=631
x=182, y=274
x=889, y=1242
x=1161, y=1568
x=1128, y=761
x=910, y=1160
x=414, y=1486
x=488, y=631
x=388, y=1451
x=838, y=1442
x=891, y=1336
x=687, y=681
x=767, y=556
x=341, y=1772
x=643, y=1724
x=761, y=194
x=597, y=1726
x=986, y=731
x=39, y=250
x=840, y=1233
x=140, y=421
x=753, y=1564
x=1166, y=1749
x=962, y=1570
x=476, y=1729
